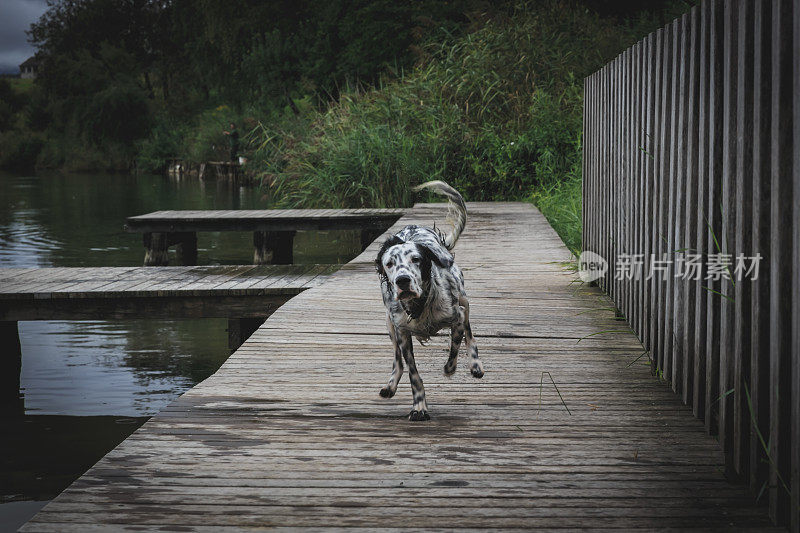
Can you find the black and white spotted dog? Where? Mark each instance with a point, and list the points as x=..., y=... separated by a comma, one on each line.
x=423, y=291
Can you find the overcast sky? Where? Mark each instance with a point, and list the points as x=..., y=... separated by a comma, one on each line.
x=15, y=17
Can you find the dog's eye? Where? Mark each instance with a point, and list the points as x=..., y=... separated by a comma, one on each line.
x=390, y=264
x=415, y=259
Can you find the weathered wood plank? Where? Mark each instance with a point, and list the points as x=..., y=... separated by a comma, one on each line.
x=681, y=196
x=781, y=255
x=261, y=220
x=702, y=241
x=727, y=206
x=742, y=239
x=794, y=521
x=760, y=222
x=712, y=215
x=692, y=184
x=96, y=293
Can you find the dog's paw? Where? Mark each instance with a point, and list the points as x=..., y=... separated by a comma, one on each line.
x=387, y=393
x=450, y=368
x=418, y=416
x=477, y=371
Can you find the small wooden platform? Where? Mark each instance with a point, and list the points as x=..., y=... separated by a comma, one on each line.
x=245, y=295
x=273, y=229
x=170, y=292
x=291, y=433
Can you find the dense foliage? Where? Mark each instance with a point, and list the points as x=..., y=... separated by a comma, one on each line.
x=497, y=113
x=340, y=102
x=122, y=80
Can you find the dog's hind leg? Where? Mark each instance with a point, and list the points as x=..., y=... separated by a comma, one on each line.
x=397, y=368
x=476, y=368
x=456, y=335
x=420, y=409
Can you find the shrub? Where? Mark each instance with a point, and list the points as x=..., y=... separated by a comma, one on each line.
x=19, y=150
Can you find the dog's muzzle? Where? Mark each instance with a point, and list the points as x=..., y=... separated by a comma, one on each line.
x=404, y=292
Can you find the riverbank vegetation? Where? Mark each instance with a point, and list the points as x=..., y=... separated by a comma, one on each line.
x=341, y=103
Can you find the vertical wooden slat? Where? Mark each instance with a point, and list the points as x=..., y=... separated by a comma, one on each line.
x=604, y=126
x=585, y=188
x=601, y=154
x=589, y=142
x=795, y=324
x=780, y=259
x=587, y=200
x=742, y=236
x=630, y=178
x=663, y=214
x=607, y=173
x=679, y=196
x=691, y=203
x=712, y=212
x=617, y=182
x=648, y=193
x=647, y=217
x=609, y=182
x=702, y=243
x=658, y=194
x=627, y=177
x=638, y=174
x=593, y=163
x=622, y=172
x=760, y=222
x=633, y=179
x=670, y=175
x=726, y=206
x=594, y=208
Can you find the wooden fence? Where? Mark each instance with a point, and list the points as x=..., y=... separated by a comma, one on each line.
x=691, y=169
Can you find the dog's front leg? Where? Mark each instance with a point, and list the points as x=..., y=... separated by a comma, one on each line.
x=420, y=409
x=397, y=368
x=476, y=368
x=456, y=335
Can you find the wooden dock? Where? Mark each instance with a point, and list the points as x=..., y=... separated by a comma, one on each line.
x=291, y=433
x=245, y=295
x=273, y=229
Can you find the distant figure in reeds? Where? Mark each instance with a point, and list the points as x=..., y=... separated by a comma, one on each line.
x=233, y=138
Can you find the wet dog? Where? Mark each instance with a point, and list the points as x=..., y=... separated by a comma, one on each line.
x=423, y=291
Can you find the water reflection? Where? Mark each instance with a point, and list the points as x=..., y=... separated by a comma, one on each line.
x=77, y=220
x=131, y=368
x=88, y=385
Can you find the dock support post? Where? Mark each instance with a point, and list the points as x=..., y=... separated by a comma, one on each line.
x=369, y=235
x=10, y=363
x=155, y=249
x=273, y=247
x=240, y=329
x=186, y=247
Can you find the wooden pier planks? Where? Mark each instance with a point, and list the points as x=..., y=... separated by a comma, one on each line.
x=262, y=220
x=291, y=433
x=179, y=292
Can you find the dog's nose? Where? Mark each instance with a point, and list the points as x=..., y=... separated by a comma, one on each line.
x=403, y=281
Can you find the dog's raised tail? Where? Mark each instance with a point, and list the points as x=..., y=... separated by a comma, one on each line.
x=457, y=209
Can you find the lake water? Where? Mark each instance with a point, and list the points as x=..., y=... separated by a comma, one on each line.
x=87, y=385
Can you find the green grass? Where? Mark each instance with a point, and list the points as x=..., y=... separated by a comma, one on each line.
x=20, y=86
x=561, y=205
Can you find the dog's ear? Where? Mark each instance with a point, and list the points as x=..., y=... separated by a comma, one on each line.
x=388, y=243
x=437, y=254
